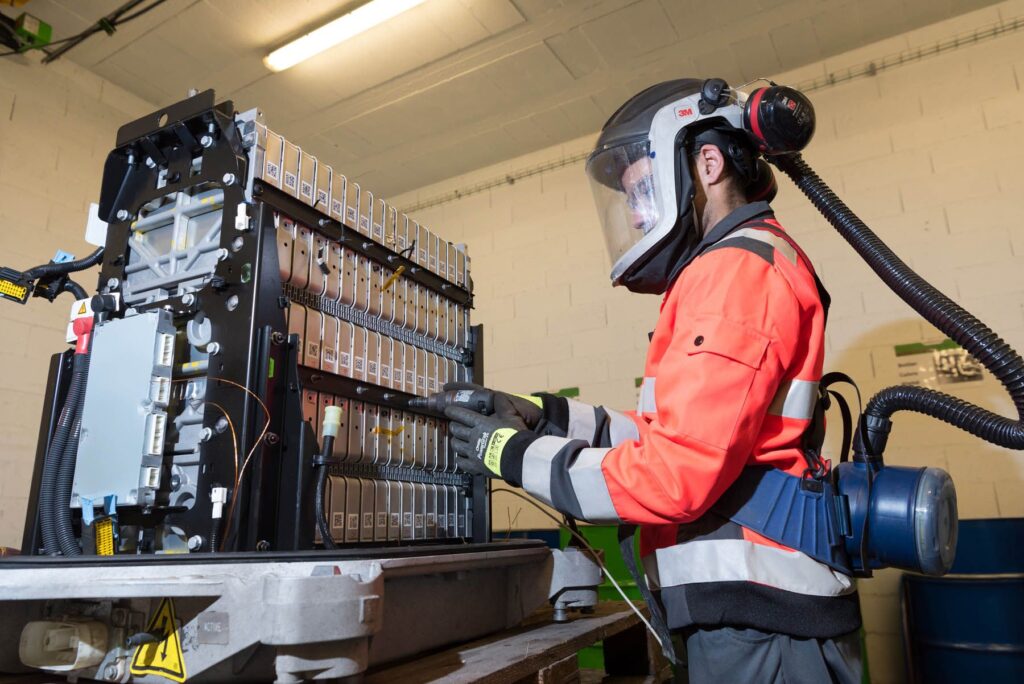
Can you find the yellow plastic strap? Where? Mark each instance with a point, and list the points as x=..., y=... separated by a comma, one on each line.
x=495, y=445
x=532, y=399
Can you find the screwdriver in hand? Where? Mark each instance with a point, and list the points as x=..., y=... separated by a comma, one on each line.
x=481, y=401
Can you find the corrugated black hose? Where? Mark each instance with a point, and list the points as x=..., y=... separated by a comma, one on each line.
x=939, y=310
x=319, y=499
x=65, y=478
x=58, y=445
x=52, y=269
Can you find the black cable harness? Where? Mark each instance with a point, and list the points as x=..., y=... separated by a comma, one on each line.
x=107, y=24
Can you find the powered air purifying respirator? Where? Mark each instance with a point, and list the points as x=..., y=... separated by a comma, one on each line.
x=886, y=516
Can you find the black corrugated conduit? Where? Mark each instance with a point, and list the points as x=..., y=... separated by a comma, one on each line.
x=939, y=310
x=48, y=502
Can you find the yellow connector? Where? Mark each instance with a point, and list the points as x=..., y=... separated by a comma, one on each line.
x=104, y=536
x=13, y=291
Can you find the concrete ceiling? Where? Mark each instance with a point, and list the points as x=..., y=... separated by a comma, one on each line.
x=454, y=85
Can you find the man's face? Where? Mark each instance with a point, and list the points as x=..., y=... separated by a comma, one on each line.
x=638, y=184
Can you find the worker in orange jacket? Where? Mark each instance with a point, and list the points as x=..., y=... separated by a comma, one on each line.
x=730, y=387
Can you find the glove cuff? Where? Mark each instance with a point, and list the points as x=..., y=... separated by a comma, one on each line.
x=512, y=456
x=556, y=415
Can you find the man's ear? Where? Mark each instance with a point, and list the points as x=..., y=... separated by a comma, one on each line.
x=710, y=164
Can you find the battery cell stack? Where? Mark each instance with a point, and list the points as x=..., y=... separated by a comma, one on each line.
x=365, y=319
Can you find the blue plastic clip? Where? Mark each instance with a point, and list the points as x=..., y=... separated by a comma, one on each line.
x=62, y=257
x=87, y=512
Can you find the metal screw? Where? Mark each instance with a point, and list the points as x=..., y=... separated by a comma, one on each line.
x=206, y=140
x=221, y=425
x=237, y=244
x=206, y=435
x=176, y=481
x=272, y=438
x=195, y=543
x=113, y=284
x=277, y=338
x=262, y=545
x=229, y=179
x=123, y=215
x=150, y=162
x=188, y=299
x=111, y=672
x=213, y=348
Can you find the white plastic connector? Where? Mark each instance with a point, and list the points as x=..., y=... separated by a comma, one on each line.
x=155, y=432
x=165, y=350
x=62, y=646
x=218, y=497
x=332, y=421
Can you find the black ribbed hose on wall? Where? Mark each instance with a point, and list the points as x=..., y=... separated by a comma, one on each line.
x=939, y=310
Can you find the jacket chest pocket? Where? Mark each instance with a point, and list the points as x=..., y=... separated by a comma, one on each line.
x=702, y=391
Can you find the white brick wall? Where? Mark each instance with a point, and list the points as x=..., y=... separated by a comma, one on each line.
x=928, y=154
x=57, y=123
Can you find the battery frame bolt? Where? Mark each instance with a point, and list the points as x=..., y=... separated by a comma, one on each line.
x=195, y=542
x=111, y=672
x=213, y=348
x=113, y=283
x=229, y=179
x=150, y=162
x=123, y=215
x=188, y=299
x=207, y=434
x=206, y=141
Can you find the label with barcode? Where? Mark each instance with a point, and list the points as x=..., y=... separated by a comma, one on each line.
x=307, y=189
x=273, y=171
x=353, y=521
x=290, y=180
x=382, y=520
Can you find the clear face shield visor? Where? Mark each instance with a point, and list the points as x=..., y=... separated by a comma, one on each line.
x=626, y=195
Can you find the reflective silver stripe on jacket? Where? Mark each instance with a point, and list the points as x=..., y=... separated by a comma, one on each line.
x=646, y=403
x=582, y=421
x=795, y=399
x=738, y=560
x=781, y=246
x=537, y=466
x=590, y=487
x=621, y=428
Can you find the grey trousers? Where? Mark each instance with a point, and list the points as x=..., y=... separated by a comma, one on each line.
x=742, y=656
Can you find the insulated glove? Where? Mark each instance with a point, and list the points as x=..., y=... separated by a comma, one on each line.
x=526, y=408
x=482, y=444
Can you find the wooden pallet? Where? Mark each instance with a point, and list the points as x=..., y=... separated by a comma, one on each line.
x=541, y=652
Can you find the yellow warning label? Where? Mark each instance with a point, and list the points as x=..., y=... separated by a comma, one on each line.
x=161, y=658
x=82, y=309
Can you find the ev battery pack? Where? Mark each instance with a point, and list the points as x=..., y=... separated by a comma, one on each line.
x=362, y=316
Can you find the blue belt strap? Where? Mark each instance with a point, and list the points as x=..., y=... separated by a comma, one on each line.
x=798, y=512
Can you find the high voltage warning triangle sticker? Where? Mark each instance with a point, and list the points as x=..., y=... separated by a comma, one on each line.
x=161, y=658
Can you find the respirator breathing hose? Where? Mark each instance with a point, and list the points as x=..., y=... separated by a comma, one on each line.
x=939, y=310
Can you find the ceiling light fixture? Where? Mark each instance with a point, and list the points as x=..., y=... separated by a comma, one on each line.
x=335, y=32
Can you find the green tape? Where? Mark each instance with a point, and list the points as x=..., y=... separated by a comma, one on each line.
x=921, y=348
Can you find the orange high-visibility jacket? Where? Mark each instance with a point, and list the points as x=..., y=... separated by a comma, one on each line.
x=731, y=380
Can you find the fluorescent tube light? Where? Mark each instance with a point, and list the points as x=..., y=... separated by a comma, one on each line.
x=335, y=32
